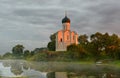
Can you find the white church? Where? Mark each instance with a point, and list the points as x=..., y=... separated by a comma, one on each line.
x=65, y=36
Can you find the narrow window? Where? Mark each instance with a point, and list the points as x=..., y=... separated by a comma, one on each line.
x=73, y=37
x=67, y=37
x=61, y=39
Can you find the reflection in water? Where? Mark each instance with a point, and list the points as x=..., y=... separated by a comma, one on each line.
x=16, y=68
x=13, y=68
x=5, y=71
x=19, y=69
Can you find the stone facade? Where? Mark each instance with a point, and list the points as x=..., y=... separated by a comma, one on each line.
x=65, y=36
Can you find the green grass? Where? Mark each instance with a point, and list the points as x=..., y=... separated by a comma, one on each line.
x=86, y=62
x=116, y=63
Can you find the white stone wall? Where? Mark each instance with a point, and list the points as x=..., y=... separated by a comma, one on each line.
x=65, y=38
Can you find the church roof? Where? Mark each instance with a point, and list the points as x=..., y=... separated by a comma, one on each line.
x=65, y=20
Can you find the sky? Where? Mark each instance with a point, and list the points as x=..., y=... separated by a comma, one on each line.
x=31, y=22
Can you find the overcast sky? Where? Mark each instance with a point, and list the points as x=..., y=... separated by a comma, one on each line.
x=31, y=22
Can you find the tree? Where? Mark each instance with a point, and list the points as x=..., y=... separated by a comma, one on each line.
x=83, y=39
x=8, y=55
x=32, y=53
x=39, y=57
x=113, y=48
x=105, y=44
x=76, y=51
x=36, y=50
x=97, y=44
x=51, y=44
x=18, y=50
x=26, y=53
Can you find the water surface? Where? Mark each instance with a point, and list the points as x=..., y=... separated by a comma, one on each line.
x=22, y=68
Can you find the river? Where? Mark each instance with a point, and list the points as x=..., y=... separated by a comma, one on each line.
x=26, y=69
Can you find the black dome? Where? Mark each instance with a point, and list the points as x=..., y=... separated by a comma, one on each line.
x=65, y=20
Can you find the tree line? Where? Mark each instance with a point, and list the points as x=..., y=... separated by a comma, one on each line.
x=95, y=46
x=98, y=46
x=19, y=52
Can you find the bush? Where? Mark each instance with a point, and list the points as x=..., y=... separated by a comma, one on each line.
x=39, y=57
x=76, y=51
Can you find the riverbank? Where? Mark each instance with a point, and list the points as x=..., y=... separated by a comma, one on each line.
x=115, y=63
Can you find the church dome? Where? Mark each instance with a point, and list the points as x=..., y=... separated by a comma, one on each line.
x=65, y=20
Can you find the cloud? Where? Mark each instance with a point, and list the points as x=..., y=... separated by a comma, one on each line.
x=101, y=16
x=31, y=22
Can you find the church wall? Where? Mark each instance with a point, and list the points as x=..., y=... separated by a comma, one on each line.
x=76, y=38
x=72, y=37
x=65, y=37
x=60, y=36
x=60, y=46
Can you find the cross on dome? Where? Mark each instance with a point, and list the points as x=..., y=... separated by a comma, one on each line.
x=65, y=19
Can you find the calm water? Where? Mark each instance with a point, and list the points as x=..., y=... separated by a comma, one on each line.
x=21, y=68
x=17, y=68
